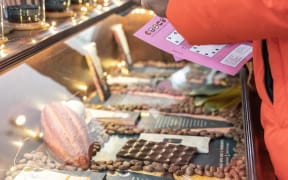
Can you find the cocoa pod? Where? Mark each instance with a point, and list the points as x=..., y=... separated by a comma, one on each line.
x=65, y=134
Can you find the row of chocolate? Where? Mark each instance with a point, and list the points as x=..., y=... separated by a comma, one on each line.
x=34, y=12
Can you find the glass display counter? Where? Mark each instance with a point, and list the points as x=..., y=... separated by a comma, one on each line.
x=80, y=102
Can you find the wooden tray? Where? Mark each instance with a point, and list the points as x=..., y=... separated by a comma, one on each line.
x=27, y=26
x=64, y=14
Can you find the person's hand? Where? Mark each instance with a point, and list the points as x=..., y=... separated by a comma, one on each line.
x=158, y=6
x=138, y=2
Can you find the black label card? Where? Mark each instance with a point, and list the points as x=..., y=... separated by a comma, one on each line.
x=134, y=176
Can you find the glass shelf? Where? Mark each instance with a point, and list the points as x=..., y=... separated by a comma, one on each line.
x=23, y=44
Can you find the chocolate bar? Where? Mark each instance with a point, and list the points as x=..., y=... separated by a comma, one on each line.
x=162, y=152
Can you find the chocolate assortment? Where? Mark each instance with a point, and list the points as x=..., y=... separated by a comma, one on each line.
x=27, y=13
x=160, y=158
x=57, y=5
x=157, y=151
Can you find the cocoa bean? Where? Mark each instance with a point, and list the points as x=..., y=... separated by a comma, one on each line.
x=123, y=168
x=198, y=172
x=219, y=134
x=111, y=132
x=147, y=163
x=156, y=130
x=126, y=163
x=184, y=167
x=219, y=169
x=148, y=168
x=192, y=165
x=70, y=168
x=203, y=133
x=199, y=167
x=212, y=169
x=226, y=169
x=179, y=172
x=159, y=168
x=173, y=168
x=166, y=166
x=111, y=167
x=109, y=162
x=28, y=156
x=96, y=168
x=22, y=160
x=189, y=171
x=198, y=110
x=136, y=168
x=207, y=167
x=208, y=173
x=219, y=174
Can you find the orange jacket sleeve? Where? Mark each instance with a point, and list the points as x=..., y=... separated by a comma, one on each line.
x=223, y=21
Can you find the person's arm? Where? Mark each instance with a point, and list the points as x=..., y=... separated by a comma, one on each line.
x=222, y=21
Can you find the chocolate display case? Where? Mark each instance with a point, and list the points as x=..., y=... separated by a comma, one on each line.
x=61, y=64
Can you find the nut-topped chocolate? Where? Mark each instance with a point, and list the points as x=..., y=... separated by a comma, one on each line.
x=157, y=151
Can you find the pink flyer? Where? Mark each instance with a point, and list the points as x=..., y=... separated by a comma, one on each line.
x=227, y=58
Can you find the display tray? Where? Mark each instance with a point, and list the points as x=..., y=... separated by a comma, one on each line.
x=126, y=99
x=64, y=14
x=182, y=140
x=220, y=150
x=28, y=26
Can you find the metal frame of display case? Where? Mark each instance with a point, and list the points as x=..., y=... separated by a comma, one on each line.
x=20, y=47
x=258, y=162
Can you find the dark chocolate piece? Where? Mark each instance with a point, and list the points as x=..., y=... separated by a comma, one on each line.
x=158, y=152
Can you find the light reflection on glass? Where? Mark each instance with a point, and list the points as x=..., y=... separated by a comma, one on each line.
x=12, y=168
x=142, y=11
x=52, y=30
x=123, y=63
x=32, y=133
x=53, y=23
x=41, y=135
x=33, y=41
x=83, y=87
x=117, y=2
x=74, y=22
x=106, y=8
x=99, y=6
x=17, y=143
x=83, y=9
x=3, y=53
x=20, y=120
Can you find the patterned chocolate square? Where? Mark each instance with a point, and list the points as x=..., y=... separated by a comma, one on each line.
x=157, y=151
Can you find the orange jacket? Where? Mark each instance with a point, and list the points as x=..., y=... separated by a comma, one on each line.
x=223, y=21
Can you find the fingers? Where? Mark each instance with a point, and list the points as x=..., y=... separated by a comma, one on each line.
x=138, y=2
x=158, y=6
